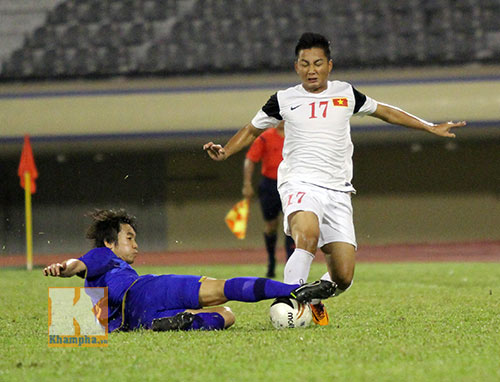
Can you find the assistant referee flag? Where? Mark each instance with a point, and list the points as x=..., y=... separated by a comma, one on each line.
x=237, y=217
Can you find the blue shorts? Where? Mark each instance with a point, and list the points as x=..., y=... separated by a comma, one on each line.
x=269, y=197
x=160, y=296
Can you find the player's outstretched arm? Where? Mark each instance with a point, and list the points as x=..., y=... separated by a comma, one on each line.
x=67, y=268
x=240, y=140
x=400, y=117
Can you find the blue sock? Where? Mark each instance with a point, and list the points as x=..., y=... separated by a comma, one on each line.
x=253, y=289
x=207, y=321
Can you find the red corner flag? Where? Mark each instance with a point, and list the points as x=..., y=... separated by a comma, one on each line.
x=27, y=164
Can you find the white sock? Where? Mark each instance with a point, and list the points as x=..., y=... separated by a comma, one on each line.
x=297, y=267
x=326, y=277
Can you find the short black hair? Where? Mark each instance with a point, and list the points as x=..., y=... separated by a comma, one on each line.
x=106, y=225
x=310, y=40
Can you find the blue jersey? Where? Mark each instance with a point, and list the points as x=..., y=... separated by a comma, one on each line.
x=105, y=269
x=147, y=297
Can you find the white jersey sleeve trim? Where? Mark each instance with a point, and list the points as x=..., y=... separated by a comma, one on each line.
x=263, y=121
x=369, y=107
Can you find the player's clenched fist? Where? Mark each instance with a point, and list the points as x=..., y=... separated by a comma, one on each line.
x=214, y=151
x=54, y=269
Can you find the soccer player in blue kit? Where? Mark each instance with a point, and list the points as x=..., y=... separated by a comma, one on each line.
x=314, y=178
x=164, y=302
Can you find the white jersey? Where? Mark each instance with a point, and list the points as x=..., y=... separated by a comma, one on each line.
x=318, y=147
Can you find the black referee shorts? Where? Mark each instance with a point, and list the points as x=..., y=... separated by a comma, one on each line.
x=269, y=197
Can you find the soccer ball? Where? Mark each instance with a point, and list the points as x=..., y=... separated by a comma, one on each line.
x=289, y=313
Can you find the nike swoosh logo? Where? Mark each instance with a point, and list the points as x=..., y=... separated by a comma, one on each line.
x=295, y=107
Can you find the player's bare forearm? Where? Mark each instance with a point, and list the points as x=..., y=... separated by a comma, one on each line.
x=396, y=116
x=240, y=140
x=67, y=268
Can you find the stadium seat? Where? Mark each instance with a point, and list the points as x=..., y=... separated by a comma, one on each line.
x=175, y=36
x=121, y=11
x=60, y=14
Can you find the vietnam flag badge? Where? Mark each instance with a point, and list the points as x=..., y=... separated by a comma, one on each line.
x=340, y=102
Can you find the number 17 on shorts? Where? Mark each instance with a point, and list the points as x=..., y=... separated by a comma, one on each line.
x=295, y=198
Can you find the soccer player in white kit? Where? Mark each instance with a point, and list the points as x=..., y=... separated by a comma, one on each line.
x=314, y=178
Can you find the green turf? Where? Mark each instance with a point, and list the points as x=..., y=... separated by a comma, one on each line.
x=399, y=322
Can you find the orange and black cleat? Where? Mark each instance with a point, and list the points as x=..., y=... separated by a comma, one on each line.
x=319, y=314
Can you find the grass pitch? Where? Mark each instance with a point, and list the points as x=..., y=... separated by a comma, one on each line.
x=399, y=322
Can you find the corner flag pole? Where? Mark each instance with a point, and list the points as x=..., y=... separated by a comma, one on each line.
x=29, y=221
x=27, y=172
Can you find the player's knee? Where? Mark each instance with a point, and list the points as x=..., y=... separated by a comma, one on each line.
x=307, y=239
x=343, y=283
x=305, y=230
x=229, y=317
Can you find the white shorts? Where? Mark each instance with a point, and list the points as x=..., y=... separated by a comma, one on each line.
x=333, y=209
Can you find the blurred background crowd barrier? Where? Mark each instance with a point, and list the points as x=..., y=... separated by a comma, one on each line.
x=118, y=97
x=50, y=38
